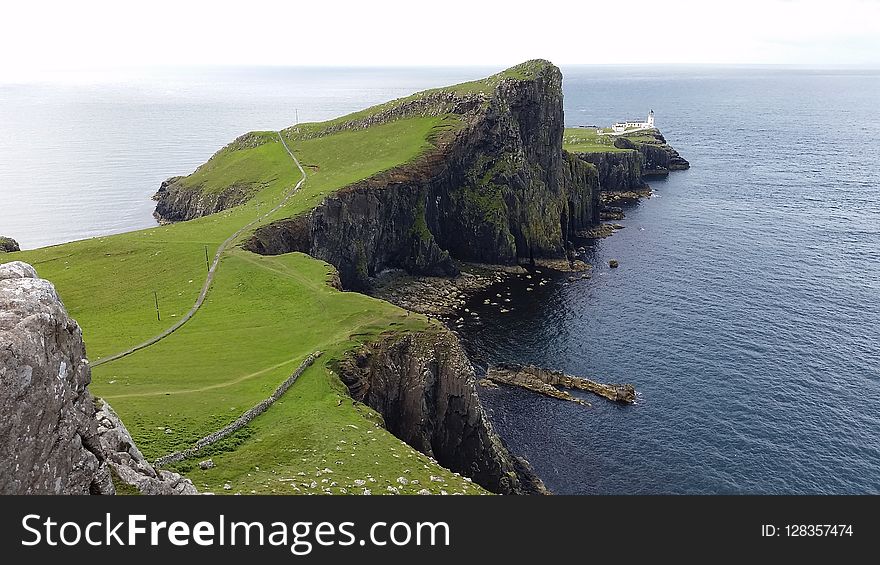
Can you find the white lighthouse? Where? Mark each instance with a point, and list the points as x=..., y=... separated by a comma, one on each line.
x=634, y=124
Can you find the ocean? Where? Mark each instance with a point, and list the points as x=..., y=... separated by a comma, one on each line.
x=746, y=309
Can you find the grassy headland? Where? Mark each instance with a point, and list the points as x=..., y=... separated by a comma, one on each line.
x=263, y=315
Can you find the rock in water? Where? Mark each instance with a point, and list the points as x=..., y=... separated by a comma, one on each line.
x=8, y=245
x=55, y=438
x=613, y=263
x=48, y=435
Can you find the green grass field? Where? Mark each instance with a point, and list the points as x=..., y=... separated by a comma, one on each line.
x=263, y=315
x=586, y=140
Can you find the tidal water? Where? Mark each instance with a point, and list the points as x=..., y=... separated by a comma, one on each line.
x=746, y=309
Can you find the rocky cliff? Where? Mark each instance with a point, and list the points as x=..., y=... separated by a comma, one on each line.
x=8, y=245
x=658, y=157
x=618, y=170
x=55, y=438
x=183, y=198
x=499, y=189
x=423, y=385
x=647, y=155
x=177, y=202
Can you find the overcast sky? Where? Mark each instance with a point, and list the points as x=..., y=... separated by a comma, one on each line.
x=64, y=34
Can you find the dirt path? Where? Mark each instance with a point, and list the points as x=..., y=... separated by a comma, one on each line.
x=212, y=270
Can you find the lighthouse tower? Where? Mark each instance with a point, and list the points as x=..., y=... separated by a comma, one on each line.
x=650, y=119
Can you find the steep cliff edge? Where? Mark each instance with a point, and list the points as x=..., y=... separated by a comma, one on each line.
x=423, y=385
x=55, y=438
x=496, y=188
x=618, y=170
x=658, y=157
x=182, y=198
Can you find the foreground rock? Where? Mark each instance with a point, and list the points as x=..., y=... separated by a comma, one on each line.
x=424, y=387
x=128, y=463
x=8, y=245
x=54, y=437
x=546, y=381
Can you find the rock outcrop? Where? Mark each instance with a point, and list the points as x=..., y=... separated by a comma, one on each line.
x=546, y=381
x=177, y=202
x=8, y=245
x=499, y=189
x=128, y=464
x=646, y=154
x=54, y=436
x=48, y=435
x=186, y=197
x=658, y=157
x=424, y=387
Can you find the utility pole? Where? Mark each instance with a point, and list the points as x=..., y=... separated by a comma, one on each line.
x=156, y=297
x=207, y=264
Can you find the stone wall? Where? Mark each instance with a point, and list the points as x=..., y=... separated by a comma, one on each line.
x=242, y=420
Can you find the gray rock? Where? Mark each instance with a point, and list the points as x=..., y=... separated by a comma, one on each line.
x=207, y=464
x=55, y=438
x=48, y=432
x=130, y=464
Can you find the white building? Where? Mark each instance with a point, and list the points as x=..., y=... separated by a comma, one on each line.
x=620, y=127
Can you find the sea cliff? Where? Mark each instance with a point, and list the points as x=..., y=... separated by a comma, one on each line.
x=498, y=189
x=423, y=385
x=625, y=161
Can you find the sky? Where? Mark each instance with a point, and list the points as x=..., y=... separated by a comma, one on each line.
x=61, y=35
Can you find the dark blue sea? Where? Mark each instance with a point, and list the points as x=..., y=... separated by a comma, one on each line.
x=746, y=309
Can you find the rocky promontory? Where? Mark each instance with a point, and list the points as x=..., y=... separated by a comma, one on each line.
x=8, y=245
x=631, y=159
x=423, y=385
x=55, y=437
x=499, y=189
x=177, y=202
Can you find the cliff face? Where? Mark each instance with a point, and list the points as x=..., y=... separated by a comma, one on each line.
x=423, y=385
x=54, y=439
x=499, y=190
x=658, y=157
x=176, y=202
x=618, y=170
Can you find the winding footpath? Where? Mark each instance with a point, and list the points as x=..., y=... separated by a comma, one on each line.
x=213, y=270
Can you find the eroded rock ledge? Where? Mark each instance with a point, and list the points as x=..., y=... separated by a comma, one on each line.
x=55, y=438
x=424, y=386
x=546, y=382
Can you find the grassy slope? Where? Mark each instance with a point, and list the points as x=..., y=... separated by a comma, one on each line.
x=523, y=71
x=262, y=316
